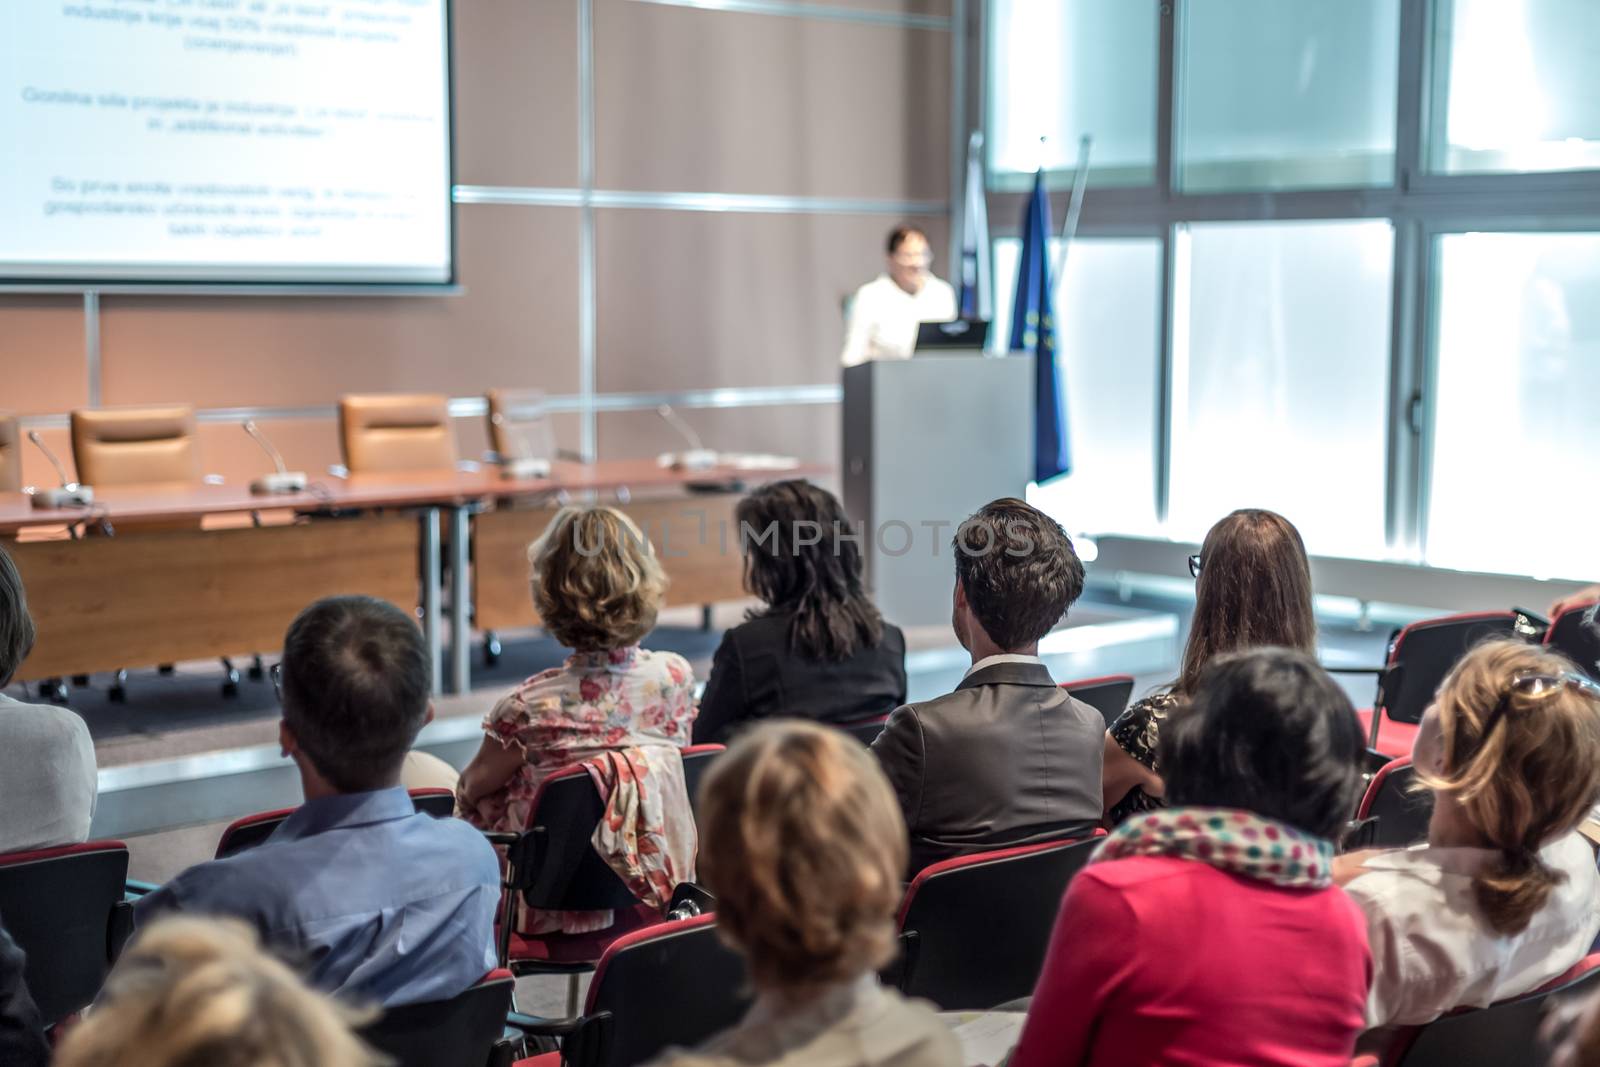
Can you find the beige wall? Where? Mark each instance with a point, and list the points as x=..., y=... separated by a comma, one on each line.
x=684, y=101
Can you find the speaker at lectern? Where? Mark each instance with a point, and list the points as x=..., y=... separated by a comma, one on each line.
x=928, y=441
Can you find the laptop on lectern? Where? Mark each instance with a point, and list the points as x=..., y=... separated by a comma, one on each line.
x=959, y=333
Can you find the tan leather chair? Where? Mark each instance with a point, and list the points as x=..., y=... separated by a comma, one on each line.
x=396, y=432
x=135, y=445
x=519, y=426
x=10, y=453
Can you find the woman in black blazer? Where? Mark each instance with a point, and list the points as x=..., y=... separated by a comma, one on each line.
x=817, y=648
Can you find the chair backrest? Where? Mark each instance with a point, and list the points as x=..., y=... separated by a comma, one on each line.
x=459, y=1032
x=10, y=453
x=64, y=906
x=135, y=445
x=981, y=923
x=519, y=424
x=396, y=432
x=1576, y=635
x=1401, y=811
x=672, y=984
x=253, y=830
x=866, y=730
x=697, y=760
x=1108, y=694
x=554, y=864
x=1421, y=654
x=1507, y=1032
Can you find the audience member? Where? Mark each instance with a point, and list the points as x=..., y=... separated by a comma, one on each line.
x=1211, y=931
x=47, y=770
x=1504, y=895
x=620, y=710
x=1587, y=595
x=1253, y=589
x=816, y=648
x=189, y=992
x=22, y=1041
x=1008, y=758
x=1572, y=1029
x=803, y=848
x=379, y=902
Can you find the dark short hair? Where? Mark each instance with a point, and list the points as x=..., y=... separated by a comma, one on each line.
x=1267, y=731
x=1018, y=569
x=16, y=625
x=356, y=683
x=898, y=235
x=803, y=561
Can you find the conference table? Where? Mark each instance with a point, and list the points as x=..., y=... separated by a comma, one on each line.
x=156, y=574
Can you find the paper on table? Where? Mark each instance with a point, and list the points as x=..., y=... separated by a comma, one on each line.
x=985, y=1037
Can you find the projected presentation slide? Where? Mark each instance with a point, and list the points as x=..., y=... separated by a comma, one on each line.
x=280, y=141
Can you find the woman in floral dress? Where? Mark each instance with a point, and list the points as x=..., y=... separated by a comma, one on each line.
x=619, y=710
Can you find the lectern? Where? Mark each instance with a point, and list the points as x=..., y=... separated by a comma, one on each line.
x=928, y=441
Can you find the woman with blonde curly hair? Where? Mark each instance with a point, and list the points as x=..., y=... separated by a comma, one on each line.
x=1504, y=894
x=804, y=846
x=201, y=991
x=619, y=710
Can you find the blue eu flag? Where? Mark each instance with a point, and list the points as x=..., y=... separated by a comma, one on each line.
x=1033, y=330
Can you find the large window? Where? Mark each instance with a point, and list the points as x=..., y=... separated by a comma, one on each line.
x=1279, y=95
x=1371, y=242
x=1108, y=307
x=1519, y=85
x=1515, y=441
x=1062, y=70
x=1281, y=377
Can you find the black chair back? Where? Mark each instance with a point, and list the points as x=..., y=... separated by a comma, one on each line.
x=1108, y=695
x=697, y=760
x=1421, y=654
x=554, y=864
x=674, y=984
x=460, y=1032
x=1576, y=634
x=979, y=926
x=867, y=730
x=64, y=907
x=1503, y=1033
x=1392, y=813
x=440, y=803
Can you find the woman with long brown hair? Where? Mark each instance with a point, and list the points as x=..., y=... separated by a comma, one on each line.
x=1504, y=896
x=1253, y=588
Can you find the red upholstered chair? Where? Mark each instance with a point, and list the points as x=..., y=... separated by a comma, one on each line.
x=253, y=830
x=1393, y=813
x=1108, y=694
x=1420, y=655
x=1575, y=634
x=975, y=929
x=465, y=1031
x=64, y=906
x=865, y=730
x=1506, y=1032
x=553, y=866
x=671, y=984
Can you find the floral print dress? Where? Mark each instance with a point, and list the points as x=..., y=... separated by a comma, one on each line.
x=624, y=714
x=1137, y=732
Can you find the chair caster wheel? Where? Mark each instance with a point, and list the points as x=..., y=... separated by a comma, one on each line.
x=117, y=694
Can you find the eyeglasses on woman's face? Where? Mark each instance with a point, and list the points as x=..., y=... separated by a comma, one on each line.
x=1194, y=565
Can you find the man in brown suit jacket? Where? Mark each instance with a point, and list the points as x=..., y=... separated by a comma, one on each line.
x=1008, y=758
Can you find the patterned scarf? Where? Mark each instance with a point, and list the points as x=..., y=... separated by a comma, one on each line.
x=1228, y=839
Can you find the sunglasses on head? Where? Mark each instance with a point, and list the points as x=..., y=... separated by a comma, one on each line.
x=1535, y=686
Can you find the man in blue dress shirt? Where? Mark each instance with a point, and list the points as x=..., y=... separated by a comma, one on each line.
x=373, y=900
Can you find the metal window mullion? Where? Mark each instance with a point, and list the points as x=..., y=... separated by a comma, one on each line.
x=1164, y=355
x=1401, y=501
x=1411, y=95
x=1166, y=96
x=1424, y=370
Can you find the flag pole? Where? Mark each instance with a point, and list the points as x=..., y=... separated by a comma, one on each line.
x=1069, y=227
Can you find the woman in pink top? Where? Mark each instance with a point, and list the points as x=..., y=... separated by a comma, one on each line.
x=1211, y=932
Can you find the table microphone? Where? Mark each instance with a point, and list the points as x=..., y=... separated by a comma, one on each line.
x=71, y=494
x=282, y=480
x=526, y=465
x=697, y=458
